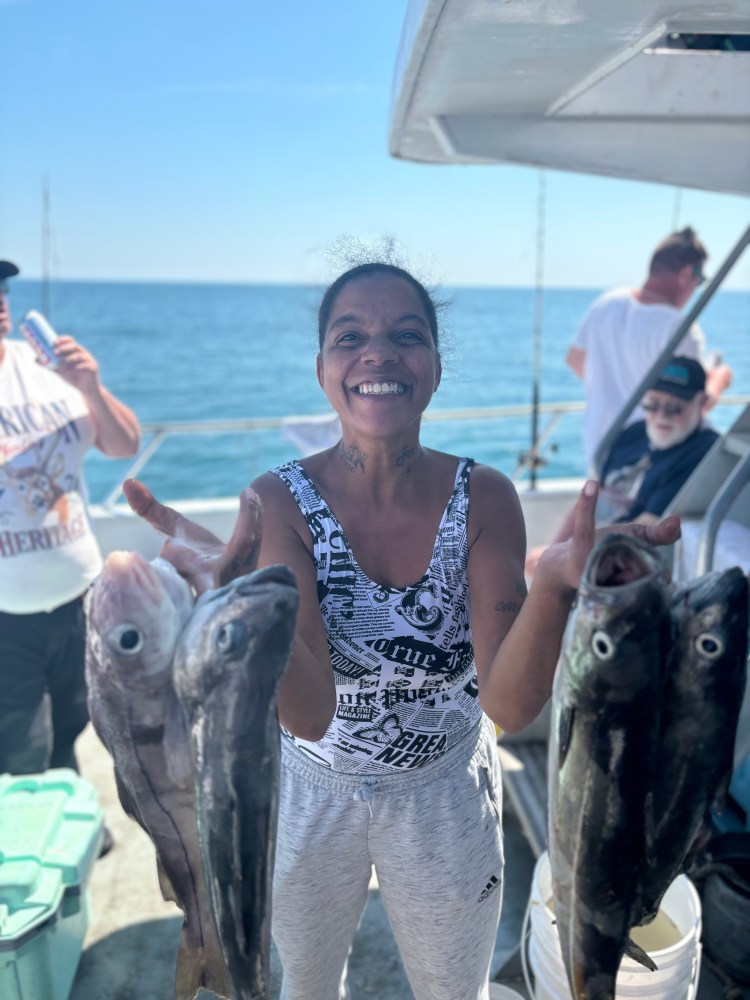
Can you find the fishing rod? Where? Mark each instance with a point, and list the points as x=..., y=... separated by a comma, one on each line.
x=46, y=247
x=533, y=458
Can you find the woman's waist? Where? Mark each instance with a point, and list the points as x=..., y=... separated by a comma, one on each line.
x=297, y=756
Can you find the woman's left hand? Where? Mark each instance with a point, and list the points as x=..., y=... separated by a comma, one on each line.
x=196, y=553
x=562, y=564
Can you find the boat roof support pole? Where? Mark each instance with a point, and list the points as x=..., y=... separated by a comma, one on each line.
x=607, y=441
x=717, y=511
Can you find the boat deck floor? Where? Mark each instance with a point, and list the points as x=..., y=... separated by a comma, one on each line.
x=132, y=940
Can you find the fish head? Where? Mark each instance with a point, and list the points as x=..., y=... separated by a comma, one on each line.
x=135, y=611
x=620, y=629
x=238, y=638
x=711, y=612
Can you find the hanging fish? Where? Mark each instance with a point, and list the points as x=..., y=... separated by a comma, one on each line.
x=603, y=752
x=228, y=664
x=701, y=700
x=136, y=611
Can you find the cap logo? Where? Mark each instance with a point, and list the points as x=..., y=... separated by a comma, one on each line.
x=676, y=372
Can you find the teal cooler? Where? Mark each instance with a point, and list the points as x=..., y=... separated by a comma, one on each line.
x=50, y=832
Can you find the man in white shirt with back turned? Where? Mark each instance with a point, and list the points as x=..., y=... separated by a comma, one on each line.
x=626, y=329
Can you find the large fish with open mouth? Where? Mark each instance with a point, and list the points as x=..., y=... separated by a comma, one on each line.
x=136, y=611
x=703, y=692
x=603, y=752
x=227, y=667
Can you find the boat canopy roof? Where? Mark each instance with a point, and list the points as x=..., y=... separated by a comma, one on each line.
x=653, y=90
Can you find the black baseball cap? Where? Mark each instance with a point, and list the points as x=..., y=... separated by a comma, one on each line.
x=683, y=377
x=7, y=270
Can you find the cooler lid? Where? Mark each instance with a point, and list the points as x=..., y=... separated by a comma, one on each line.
x=51, y=819
x=29, y=896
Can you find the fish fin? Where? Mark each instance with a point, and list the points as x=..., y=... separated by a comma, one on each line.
x=127, y=801
x=565, y=731
x=165, y=884
x=634, y=951
x=177, y=743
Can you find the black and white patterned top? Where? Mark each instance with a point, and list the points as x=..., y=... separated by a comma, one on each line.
x=402, y=657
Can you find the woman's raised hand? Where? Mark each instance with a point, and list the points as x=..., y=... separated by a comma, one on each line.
x=196, y=553
x=563, y=563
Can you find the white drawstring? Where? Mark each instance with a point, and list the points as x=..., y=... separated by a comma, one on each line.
x=365, y=794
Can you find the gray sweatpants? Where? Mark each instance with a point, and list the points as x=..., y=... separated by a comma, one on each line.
x=434, y=836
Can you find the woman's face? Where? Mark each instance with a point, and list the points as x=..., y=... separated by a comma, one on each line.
x=379, y=365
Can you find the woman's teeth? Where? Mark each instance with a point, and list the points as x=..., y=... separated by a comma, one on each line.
x=380, y=388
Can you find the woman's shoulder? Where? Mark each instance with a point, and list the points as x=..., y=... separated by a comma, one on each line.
x=494, y=498
x=283, y=521
x=274, y=494
x=491, y=480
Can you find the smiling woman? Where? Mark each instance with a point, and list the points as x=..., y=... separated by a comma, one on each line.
x=413, y=624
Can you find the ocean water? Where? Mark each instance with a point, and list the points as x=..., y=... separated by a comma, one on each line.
x=186, y=352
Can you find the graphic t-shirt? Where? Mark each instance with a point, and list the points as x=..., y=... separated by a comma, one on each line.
x=48, y=552
x=403, y=661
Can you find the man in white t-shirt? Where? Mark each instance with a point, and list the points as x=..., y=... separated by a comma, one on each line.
x=626, y=329
x=48, y=553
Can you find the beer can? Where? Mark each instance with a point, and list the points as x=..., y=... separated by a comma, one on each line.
x=41, y=336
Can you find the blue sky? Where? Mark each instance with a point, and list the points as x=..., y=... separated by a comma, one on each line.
x=235, y=140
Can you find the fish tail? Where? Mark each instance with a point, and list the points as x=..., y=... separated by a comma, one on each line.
x=200, y=967
x=634, y=951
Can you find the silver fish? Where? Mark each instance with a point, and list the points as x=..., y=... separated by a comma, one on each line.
x=136, y=611
x=227, y=668
x=701, y=700
x=603, y=749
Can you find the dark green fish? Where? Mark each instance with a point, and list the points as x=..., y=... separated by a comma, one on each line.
x=227, y=668
x=136, y=611
x=702, y=695
x=603, y=751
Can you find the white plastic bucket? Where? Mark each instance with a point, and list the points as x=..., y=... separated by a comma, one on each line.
x=500, y=992
x=678, y=964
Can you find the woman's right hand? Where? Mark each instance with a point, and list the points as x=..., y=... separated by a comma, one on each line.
x=196, y=553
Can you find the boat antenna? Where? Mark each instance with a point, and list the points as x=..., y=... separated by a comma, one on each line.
x=46, y=246
x=676, y=209
x=534, y=458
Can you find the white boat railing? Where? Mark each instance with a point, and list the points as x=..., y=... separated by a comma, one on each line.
x=156, y=433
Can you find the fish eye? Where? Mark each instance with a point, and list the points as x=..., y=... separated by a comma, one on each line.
x=709, y=645
x=228, y=637
x=603, y=645
x=127, y=639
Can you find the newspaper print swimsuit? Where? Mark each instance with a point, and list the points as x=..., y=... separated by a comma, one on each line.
x=402, y=657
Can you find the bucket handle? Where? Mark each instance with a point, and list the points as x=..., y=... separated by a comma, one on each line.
x=525, y=940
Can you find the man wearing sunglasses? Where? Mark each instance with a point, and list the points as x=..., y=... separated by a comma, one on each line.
x=652, y=459
x=626, y=329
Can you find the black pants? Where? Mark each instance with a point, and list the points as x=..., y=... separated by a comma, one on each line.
x=42, y=688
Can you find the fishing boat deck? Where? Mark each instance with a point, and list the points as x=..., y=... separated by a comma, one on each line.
x=131, y=945
x=133, y=934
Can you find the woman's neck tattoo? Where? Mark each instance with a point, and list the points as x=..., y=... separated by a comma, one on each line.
x=352, y=457
x=409, y=457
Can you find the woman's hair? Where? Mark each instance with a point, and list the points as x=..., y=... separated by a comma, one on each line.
x=363, y=271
